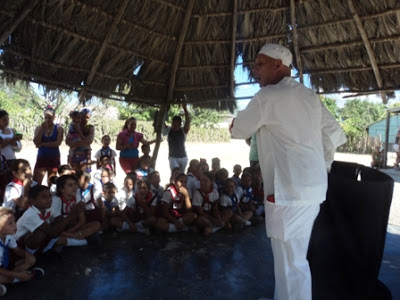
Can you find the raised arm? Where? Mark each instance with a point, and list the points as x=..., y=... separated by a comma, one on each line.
x=186, y=127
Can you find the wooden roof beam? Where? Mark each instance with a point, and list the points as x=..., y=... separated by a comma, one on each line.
x=106, y=40
x=349, y=44
x=368, y=47
x=27, y=8
x=296, y=39
x=178, y=50
x=233, y=48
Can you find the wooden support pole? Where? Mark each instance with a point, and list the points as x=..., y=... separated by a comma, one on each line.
x=233, y=48
x=296, y=39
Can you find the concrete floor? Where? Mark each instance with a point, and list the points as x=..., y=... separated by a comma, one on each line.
x=225, y=265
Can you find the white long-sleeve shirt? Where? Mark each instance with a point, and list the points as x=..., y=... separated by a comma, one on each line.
x=296, y=141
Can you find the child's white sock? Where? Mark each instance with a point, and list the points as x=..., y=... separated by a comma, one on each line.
x=172, y=228
x=75, y=242
x=247, y=223
x=215, y=228
x=125, y=226
x=140, y=227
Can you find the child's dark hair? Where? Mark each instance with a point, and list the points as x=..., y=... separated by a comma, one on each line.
x=16, y=164
x=142, y=181
x=74, y=113
x=36, y=190
x=153, y=173
x=229, y=180
x=61, y=169
x=246, y=174
x=145, y=146
x=177, y=118
x=109, y=186
x=105, y=136
x=209, y=175
x=3, y=113
x=104, y=156
x=61, y=182
x=81, y=173
x=220, y=172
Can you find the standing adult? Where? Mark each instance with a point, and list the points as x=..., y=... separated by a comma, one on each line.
x=296, y=140
x=128, y=142
x=80, y=148
x=47, y=138
x=10, y=140
x=253, y=153
x=176, y=141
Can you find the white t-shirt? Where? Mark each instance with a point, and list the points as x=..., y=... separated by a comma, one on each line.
x=157, y=194
x=226, y=201
x=31, y=220
x=242, y=195
x=10, y=242
x=9, y=151
x=123, y=196
x=192, y=184
x=199, y=201
x=13, y=191
x=61, y=208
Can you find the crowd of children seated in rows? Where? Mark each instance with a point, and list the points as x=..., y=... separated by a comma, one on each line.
x=34, y=218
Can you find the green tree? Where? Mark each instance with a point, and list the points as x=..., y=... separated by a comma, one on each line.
x=356, y=116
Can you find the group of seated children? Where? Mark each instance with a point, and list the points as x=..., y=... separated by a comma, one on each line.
x=77, y=205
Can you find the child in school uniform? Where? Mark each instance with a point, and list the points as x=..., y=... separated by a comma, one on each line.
x=85, y=194
x=245, y=193
x=16, y=192
x=106, y=175
x=176, y=208
x=144, y=167
x=205, y=204
x=42, y=226
x=62, y=170
x=237, y=170
x=106, y=151
x=221, y=176
x=108, y=204
x=194, y=183
x=127, y=191
x=15, y=263
x=65, y=201
x=138, y=210
x=229, y=206
x=157, y=192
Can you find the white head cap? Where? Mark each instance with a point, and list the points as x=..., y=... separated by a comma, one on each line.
x=277, y=52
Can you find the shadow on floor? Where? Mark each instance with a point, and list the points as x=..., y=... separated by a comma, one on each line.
x=177, y=266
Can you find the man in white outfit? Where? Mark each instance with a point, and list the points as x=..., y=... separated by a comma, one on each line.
x=296, y=141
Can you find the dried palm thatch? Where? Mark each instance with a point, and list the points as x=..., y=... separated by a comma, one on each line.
x=156, y=51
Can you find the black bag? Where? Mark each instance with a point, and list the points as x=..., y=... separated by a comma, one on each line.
x=348, y=238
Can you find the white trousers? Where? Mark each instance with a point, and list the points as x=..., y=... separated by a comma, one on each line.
x=289, y=228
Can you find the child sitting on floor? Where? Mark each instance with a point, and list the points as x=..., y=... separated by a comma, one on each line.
x=10, y=271
x=16, y=192
x=41, y=226
x=144, y=167
x=108, y=204
x=205, y=204
x=176, y=208
x=237, y=170
x=229, y=206
x=127, y=191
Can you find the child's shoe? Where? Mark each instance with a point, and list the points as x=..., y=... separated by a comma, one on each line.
x=3, y=290
x=37, y=273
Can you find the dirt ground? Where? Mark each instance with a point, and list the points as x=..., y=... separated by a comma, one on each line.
x=234, y=152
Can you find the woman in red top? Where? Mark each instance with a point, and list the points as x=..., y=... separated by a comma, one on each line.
x=128, y=142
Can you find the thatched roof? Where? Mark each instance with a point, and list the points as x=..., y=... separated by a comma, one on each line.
x=188, y=48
